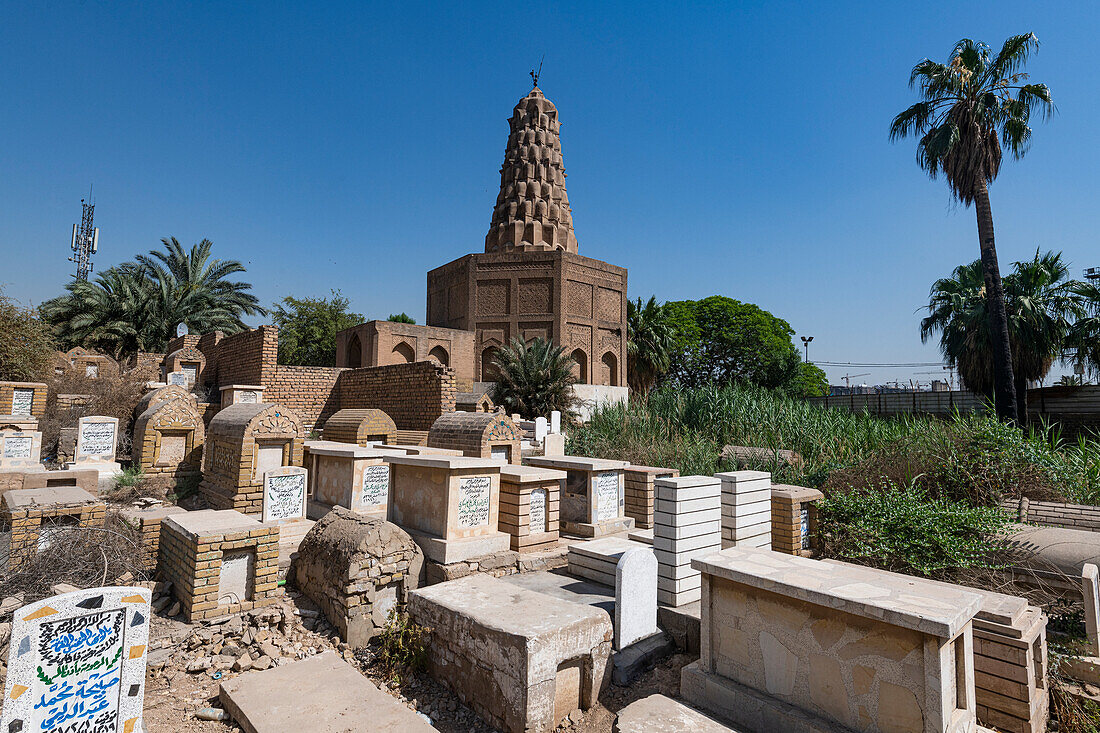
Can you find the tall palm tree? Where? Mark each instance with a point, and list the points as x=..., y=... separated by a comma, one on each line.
x=970, y=107
x=1084, y=337
x=649, y=344
x=534, y=379
x=1041, y=305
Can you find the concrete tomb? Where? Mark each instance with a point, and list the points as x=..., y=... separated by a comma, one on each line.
x=20, y=450
x=660, y=714
x=38, y=517
x=360, y=427
x=77, y=662
x=638, y=492
x=284, y=494
x=592, y=503
x=794, y=519
x=686, y=525
x=219, y=562
x=96, y=444
x=347, y=475
x=27, y=399
x=746, y=509
x=243, y=442
x=147, y=520
x=1090, y=592
x=449, y=504
x=319, y=694
x=169, y=436
x=522, y=660
x=357, y=569
x=598, y=560
x=529, y=506
x=788, y=643
x=635, y=597
x=241, y=394
x=477, y=435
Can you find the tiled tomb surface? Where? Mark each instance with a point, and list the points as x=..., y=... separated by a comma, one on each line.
x=242, y=442
x=529, y=506
x=360, y=427
x=592, y=502
x=638, y=492
x=789, y=643
x=357, y=569
x=77, y=662
x=38, y=517
x=477, y=435
x=449, y=504
x=521, y=659
x=219, y=561
x=347, y=475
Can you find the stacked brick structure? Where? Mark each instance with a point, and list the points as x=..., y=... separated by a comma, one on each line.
x=23, y=398
x=477, y=435
x=1010, y=670
x=242, y=442
x=361, y=427
x=219, y=562
x=1055, y=514
x=168, y=437
x=147, y=521
x=414, y=395
x=529, y=499
x=381, y=343
x=638, y=492
x=357, y=570
x=189, y=360
x=794, y=518
x=31, y=513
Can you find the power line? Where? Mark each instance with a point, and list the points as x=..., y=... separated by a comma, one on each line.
x=879, y=364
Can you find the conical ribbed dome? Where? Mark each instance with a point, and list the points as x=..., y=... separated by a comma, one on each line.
x=532, y=210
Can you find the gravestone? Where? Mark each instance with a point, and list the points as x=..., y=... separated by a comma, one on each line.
x=284, y=494
x=555, y=422
x=20, y=450
x=608, y=500
x=541, y=428
x=1091, y=593
x=96, y=438
x=376, y=485
x=635, y=597
x=77, y=662
x=538, y=511
x=178, y=378
x=22, y=401
x=474, y=493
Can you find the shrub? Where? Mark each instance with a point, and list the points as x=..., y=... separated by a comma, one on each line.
x=404, y=646
x=26, y=347
x=902, y=528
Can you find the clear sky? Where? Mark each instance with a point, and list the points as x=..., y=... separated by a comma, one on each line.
x=721, y=148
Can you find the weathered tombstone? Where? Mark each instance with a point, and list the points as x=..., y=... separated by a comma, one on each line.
x=284, y=494
x=20, y=450
x=77, y=662
x=1091, y=593
x=178, y=378
x=96, y=442
x=555, y=422
x=635, y=597
x=541, y=428
x=22, y=401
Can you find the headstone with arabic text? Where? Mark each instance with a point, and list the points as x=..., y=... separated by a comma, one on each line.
x=76, y=663
x=96, y=438
x=376, y=486
x=22, y=401
x=284, y=494
x=474, y=495
x=537, y=521
x=608, y=495
x=178, y=378
x=22, y=449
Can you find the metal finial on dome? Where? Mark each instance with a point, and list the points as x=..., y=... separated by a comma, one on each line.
x=535, y=74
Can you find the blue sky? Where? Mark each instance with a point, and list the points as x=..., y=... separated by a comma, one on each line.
x=737, y=149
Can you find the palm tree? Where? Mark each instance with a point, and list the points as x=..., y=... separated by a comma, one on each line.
x=970, y=107
x=1041, y=306
x=136, y=306
x=1084, y=337
x=534, y=379
x=649, y=344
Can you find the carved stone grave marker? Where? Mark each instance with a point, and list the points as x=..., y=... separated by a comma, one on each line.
x=473, y=501
x=635, y=597
x=284, y=494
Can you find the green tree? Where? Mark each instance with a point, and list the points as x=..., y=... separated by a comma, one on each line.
x=720, y=340
x=534, y=379
x=401, y=317
x=136, y=306
x=1041, y=306
x=649, y=344
x=308, y=327
x=27, y=347
x=1084, y=337
x=970, y=107
x=811, y=381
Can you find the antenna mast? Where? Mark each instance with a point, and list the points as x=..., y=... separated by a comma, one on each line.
x=85, y=242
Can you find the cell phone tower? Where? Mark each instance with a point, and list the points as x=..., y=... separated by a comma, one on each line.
x=85, y=241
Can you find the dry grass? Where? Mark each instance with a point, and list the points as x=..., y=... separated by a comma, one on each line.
x=112, y=395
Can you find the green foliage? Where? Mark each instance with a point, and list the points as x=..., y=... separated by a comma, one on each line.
x=404, y=646
x=26, y=346
x=811, y=381
x=649, y=343
x=720, y=340
x=401, y=317
x=136, y=306
x=534, y=379
x=308, y=327
x=902, y=528
x=131, y=476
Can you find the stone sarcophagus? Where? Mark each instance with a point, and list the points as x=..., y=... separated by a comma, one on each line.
x=244, y=441
x=592, y=503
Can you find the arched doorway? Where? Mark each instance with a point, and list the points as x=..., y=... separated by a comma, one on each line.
x=353, y=352
x=488, y=368
x=580, y=369
x=439, y=354
x=403, y=354
x=609, y=370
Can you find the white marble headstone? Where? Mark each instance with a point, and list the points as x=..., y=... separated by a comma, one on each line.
x=96, y=438
x=376, y=486
x=20, y=449
x=284, y=494
x=608, y=505
x=22, y=401
x=537, y=511
x=555, y=422
x=635, y=597
x=77, y=662
x=541, y=428
x=474, y=496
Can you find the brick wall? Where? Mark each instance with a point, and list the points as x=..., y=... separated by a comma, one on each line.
x=309, y=391
x=248, y=357
x=1055, y=514
x=414, y=395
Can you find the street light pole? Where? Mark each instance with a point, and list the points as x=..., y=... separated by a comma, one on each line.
x=806, y=344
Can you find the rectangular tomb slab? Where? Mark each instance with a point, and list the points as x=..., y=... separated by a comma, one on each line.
x=521, y=659
x=593, y=503
x=449, y=504
x=597, y=559
x=321, y=694
x=529, y=506
x=348, y=475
